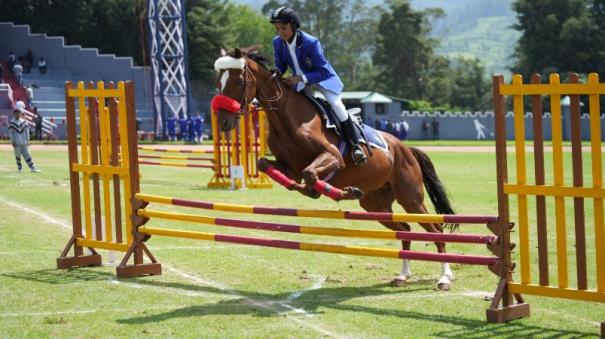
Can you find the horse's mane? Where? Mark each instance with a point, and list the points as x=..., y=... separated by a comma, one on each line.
x=251, y=54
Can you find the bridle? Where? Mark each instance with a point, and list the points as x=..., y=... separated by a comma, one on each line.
x=250, y=80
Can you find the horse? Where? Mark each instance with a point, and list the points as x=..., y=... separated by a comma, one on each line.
x=305, y=151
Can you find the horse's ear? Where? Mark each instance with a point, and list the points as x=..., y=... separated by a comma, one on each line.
x=223, y=52
x=252, y=48
x=237, y=53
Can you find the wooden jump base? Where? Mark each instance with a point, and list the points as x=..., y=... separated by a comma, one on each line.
x=109, y=212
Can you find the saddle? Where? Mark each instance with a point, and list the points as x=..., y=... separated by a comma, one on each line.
x=364, y=133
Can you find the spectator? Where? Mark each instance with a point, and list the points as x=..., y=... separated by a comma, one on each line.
x=18, y=131
x=198, y=123
x=18, y=72
x=20, y=105
x=29, y=60
x=25, y=64
x=183, y=128
x=190, y=129
x=377, y=123
x=10, y=64
x=30, y=95
x=39, y=120
x=42, y=66
x=171, y=124
x=435, y=124
x=425, y=129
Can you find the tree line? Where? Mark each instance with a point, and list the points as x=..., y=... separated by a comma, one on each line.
x=388, y=48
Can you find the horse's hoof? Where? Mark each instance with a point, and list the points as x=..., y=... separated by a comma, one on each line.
x=354, y=193
x=444, y=286
x=398, y=282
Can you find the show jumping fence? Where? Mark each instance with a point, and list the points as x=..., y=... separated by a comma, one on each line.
x=242, y=146
x=98, y=163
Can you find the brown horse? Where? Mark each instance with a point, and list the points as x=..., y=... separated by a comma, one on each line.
x=306, y=151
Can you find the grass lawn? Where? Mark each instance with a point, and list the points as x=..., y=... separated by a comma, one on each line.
x=220, y=290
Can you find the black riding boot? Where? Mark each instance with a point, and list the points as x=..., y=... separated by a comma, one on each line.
x=350, y=135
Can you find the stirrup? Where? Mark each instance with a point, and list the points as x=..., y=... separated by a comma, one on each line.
x=358, y=155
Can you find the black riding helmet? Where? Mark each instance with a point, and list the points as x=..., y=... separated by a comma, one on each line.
x=285, y=15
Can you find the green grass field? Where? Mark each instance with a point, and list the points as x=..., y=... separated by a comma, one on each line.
x=219, y=290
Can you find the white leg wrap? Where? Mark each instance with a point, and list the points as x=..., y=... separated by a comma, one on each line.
x=446, y=275
x=406, y=272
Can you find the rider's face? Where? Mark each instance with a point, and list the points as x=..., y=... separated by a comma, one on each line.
x=284, y=31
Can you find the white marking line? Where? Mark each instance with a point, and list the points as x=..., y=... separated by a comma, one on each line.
x=44, y=216
x=265, y=305
x=319, y=280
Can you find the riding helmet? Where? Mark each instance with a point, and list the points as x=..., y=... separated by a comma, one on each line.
x=285, y=15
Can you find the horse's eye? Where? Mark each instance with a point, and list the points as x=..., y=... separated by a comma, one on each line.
x=239, y=81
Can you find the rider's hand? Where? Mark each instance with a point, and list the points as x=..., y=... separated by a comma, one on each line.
x=293, y=80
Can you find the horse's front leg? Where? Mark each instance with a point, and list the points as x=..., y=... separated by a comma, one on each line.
x=283, y=175
x=323, y=165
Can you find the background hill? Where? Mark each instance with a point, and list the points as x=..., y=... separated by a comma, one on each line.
x=471, y=28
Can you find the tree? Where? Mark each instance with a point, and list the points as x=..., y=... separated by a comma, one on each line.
x=559, y=36
x=248, y=27
x=403, y=49
x=469, y=90
x=207, y=22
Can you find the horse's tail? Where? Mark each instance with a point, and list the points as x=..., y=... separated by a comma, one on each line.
x=433, y=185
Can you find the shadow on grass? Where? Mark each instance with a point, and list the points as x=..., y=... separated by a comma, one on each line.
x=58, y=277
x=311, y=301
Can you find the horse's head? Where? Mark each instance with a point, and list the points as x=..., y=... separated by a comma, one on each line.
x=236, y=85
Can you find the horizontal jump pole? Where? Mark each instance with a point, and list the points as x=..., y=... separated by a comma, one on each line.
x=325, y=214
x=174, y=157
x=172, y=164
x=328, y=231
x=341, y=249
x=170, y=150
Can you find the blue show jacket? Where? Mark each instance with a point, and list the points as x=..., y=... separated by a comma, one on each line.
x=311, y=61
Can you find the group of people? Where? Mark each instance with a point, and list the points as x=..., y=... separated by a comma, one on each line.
x=433, y=125
x=22, y=64
x=397, y=128
x=190, y=129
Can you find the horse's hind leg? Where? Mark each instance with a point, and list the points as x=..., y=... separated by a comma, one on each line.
x=412, y=203
x=409, y=193
x=381, y=201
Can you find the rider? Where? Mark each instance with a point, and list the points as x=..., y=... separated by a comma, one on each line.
x=302, y=52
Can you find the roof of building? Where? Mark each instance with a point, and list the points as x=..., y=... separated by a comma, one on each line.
x=366, y=97
x=376, y=98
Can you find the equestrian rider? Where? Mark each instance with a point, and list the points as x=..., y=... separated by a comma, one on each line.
x=302, y=52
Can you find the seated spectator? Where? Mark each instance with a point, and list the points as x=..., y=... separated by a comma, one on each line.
x=42, y=66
